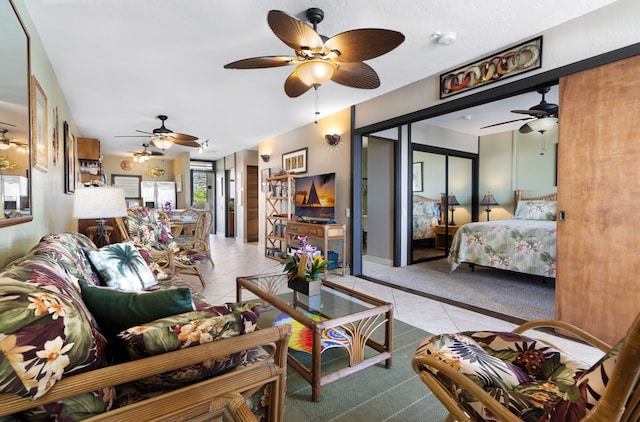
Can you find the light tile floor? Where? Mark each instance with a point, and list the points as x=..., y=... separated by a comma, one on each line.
x=233, y=258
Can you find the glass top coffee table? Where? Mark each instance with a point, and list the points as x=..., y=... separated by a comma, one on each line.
x=339, y=317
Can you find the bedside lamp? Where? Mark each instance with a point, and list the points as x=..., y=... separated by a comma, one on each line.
x=488, y=200
x=452, y=202
x=99, y=203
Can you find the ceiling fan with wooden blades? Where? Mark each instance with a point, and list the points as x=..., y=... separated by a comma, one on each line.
x=6, y=143
x=319, y=59
x=537, y=114
x=146, y=154
x=164, y=138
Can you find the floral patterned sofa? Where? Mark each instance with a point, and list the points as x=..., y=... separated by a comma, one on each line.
x=71, y=349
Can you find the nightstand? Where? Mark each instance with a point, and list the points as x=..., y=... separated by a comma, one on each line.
x=443, y=239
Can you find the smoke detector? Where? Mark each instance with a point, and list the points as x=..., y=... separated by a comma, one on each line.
x=444, y=38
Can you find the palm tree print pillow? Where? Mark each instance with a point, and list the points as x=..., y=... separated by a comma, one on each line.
x=121, y=266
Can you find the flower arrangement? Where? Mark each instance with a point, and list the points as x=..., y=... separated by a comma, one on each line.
x=306, y=262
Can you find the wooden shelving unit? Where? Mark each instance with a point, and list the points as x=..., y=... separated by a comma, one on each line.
x=279, y=210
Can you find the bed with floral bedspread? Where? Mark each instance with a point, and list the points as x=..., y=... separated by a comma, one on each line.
x=426, y=216
x=525, y=244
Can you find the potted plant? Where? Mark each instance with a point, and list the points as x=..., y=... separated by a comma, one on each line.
x=304, y=267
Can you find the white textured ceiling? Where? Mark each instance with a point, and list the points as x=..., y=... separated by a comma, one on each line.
x=123, y=62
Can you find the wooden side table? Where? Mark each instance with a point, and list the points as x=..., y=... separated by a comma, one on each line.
x=443, y=239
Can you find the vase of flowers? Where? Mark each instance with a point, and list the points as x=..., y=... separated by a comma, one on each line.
x=304, y=267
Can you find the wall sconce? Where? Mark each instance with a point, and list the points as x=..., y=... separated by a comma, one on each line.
x=265, y=157
x=332, y=139
x=452, y=202
x=488, y=200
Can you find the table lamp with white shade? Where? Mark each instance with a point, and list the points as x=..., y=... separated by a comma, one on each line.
x=99, y=203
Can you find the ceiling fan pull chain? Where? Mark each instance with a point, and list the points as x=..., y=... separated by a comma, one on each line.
x=317, y=111
x=542, y=144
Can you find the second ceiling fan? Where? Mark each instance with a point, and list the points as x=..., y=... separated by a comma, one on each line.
x=319, y=59
x=537, y=115
x=164, y=138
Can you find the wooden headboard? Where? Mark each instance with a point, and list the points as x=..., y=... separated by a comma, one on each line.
x=442, y=201
x=517, y=197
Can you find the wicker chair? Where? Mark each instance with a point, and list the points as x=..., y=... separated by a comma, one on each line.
x=150, y=230
x=188, y=220
x=195, y=251
x=510, y=377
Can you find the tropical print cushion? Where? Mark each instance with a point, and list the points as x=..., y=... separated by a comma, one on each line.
x=536, y=210
x=190, y=257
x=77, y=408
x=148, y=230
x=121, y=266
x=187, y=330
x=116, y=310
x=591, y=384
x=46, y=332
x=529, y=377
x=258, y=402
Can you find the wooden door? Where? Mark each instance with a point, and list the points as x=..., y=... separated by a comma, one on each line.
x=252, y=204
x=598, y=267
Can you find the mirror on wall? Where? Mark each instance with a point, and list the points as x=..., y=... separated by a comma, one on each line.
x=15, y=154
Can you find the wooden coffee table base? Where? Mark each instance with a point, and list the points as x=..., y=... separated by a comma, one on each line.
x=359, y=327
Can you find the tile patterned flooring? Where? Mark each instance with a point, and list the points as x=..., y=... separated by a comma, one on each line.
x=233, y=258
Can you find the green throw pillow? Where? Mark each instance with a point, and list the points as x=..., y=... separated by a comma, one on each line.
x=116, y=310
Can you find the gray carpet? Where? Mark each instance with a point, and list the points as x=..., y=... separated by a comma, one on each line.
x=373, y=394
x=506, y=294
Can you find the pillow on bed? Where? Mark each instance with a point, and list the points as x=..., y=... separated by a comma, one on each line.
x=536, y=210
x=426, y=209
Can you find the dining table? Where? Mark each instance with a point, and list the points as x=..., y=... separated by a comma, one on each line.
x=182, y=225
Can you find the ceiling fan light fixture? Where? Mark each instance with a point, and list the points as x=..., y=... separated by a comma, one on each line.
x=162, y=141
x=542, y=124
x=315, y=72
x=4, y=144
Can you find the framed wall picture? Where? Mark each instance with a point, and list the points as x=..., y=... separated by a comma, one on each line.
x=69, y=159
x=39, y=127
x=417, y=177
x=129, y=184
x=265, y=173
x=497, y=66
x=295, y=161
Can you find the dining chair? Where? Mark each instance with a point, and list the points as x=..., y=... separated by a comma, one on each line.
x=187, y=222
x=507, y=376
x=194, y=252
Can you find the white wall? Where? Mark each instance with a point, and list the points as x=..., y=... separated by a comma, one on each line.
x=49, y=205
x=609, y=28
x=322, y=158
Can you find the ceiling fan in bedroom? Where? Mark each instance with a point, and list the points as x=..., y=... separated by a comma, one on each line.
x=164, y=138
x=541, y=117
x=319, y=59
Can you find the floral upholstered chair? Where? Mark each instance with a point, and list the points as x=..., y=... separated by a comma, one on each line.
x=149, y=229
x=506, y=376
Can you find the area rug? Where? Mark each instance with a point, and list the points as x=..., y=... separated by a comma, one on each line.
x=373, y=394
x=504, y=294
